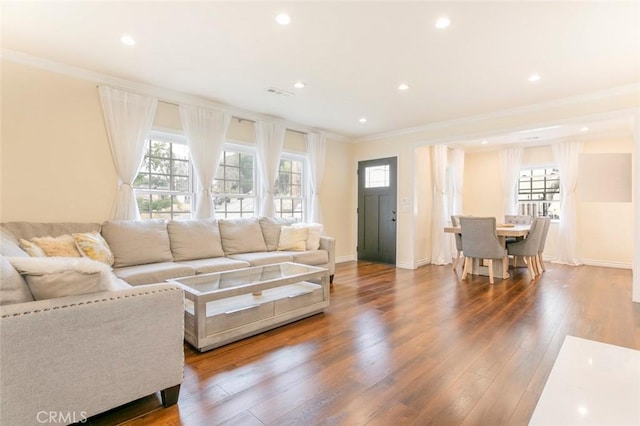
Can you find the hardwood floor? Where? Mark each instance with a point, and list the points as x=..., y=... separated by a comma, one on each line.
x=404, y=347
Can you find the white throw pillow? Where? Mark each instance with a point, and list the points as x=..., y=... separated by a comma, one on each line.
x=51, y=277
x=293, y=238
x=314, y=230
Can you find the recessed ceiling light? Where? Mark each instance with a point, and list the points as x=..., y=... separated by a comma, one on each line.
x=127, y=40
x=484, y=142
x=298, y=85
x=443, y=22
x=534, y=77
x=584, y=129
x=363, y=120
x=283, y=19
x=403, y=86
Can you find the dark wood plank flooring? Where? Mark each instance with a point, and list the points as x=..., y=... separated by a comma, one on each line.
x=403, y=347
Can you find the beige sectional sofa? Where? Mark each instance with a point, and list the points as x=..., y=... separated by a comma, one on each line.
x=71, y=357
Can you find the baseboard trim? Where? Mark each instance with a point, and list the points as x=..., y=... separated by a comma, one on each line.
x=405, y=265
x=423, y=262
x=343, y=259
x=607, y=264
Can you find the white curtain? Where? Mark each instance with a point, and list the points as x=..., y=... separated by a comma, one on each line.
x=567, y=156
x=440, y=245
x=316, y=149
x=455, y=179
x=456, y=163
x=510, y=160
x=206, y=131
x=269, y=141
x=128, y=118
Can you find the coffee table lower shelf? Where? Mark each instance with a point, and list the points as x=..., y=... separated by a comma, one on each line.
x=234, y=318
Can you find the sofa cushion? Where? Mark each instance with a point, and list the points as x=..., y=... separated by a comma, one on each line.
x=93, y=246
x=271, y=230
x=9, y=244
x=216, y=264
x=241, y=235
x=194, y=239
x=263, y=258
x=60, y=246
x=13, y=287
x=51, y=277
x=153, y=273
x=293, y=238
x=137, y=242
x=314, y=231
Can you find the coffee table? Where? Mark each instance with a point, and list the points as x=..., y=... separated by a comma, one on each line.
x=223, y=307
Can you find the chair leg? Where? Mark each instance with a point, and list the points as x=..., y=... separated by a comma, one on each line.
x=505, y=266
x=490, y=261
x=515, y=261
x=531, y=268
x=465, y=268
x=456, y=260
x=541, y=262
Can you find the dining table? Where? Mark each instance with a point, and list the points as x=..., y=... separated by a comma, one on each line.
x=503, y=230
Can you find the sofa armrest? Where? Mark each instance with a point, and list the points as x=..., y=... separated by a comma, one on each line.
x=329, y=244
x=81, y=355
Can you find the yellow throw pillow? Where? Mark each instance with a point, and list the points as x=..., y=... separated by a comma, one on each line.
x=93, y=246
x=62, y=246
x=292, y=238
x=31, y=249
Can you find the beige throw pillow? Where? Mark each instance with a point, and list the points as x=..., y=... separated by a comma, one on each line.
x=32, y=249
x=194, y=239
x=93, y=246
x=51, y=277
x=314, y=231
x=137, y=242
x=62, y=246
x=293, y=238
x=242, y=235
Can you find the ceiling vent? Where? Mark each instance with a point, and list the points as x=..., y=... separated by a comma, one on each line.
x=280, y=92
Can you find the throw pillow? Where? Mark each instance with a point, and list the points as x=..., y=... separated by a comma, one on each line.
x=31, y=249
x=271, y=230
x=13, y=288
x=314, y=231
x=93, y=246
x=51, y=277
x=62, y=246
x=293, y=238
x=242, y=235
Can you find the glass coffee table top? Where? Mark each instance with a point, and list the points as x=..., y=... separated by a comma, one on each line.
x=221, y=281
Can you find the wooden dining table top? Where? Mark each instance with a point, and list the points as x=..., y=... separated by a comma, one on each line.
x=501, y=231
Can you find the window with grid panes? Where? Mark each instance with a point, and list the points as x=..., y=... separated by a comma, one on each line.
x=234, y=185
x=539, y=192
x=289, y=188
x=163, y=186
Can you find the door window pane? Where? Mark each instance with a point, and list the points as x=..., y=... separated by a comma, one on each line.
x=376, y=176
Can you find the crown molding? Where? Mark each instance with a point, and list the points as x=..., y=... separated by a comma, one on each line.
x=594, y=96
x=163, y=94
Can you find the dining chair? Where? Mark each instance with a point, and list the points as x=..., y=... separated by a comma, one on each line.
x=480, y=241
x=543, y=240
x=528, y=248
x=455, y=223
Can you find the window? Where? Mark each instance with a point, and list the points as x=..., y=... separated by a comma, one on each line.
x=289, y=188
x=376, y=176
x=234, y=184
x=539, y=192
x=164, y=182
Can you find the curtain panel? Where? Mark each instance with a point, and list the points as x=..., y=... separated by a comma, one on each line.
x=206, y=131
x=316, y=149
x=128, y=119
x=567, y=157
x=510, y=161
x=269, y=141
x=441, y=247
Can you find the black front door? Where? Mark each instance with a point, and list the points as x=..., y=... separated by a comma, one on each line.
x=377, y=210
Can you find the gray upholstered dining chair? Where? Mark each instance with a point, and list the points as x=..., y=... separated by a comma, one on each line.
x=480, y=241
x=455, y=222
x=528, y=248
x=543, y=240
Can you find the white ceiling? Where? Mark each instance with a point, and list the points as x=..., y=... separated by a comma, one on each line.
x=351, y=55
